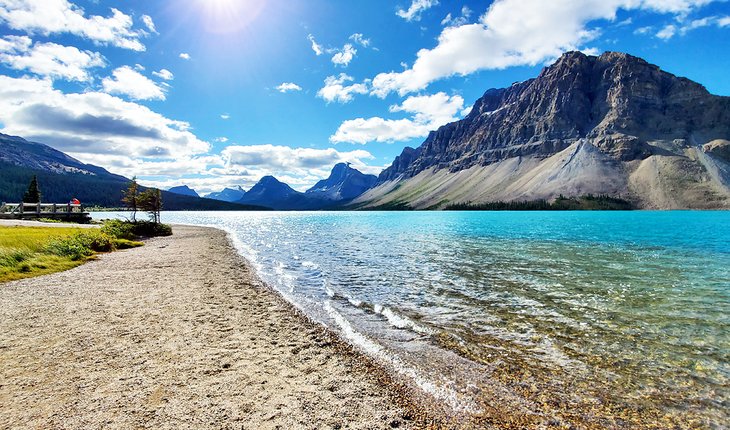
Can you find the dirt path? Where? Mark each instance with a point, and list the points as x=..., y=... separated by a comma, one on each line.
x=177, y=334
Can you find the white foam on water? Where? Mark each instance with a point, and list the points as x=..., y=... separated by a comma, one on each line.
x=377, y=351
x=328, y=288
x=309, y=265
x=354, y=302
x=401, y=321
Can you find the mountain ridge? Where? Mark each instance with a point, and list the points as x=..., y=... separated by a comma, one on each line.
x=602, y=123
x=62, y=177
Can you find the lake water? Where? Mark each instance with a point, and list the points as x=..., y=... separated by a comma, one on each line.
x=615, y=319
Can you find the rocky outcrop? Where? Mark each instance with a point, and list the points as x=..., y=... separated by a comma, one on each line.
x=618, y=102
x=719, y=148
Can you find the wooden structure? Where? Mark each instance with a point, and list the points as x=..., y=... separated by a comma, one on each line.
x=57, y=211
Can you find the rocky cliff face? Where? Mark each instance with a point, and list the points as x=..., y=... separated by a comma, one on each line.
x=611, y=124
x=617, y=101
x=344, y=183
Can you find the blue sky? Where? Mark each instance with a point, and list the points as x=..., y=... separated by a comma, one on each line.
x=215, y=93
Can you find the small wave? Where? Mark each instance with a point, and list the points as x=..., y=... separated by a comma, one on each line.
x=328, y=289
x=310, y=265
x=401, y=321
x=370, y=347
x=354, y=302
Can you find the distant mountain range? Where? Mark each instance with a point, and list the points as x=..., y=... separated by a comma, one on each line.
x=227, y=194
x=343, y=184
x=62, y=177
x=608, y=125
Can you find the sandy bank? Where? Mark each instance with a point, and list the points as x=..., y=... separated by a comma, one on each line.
x=177, y=334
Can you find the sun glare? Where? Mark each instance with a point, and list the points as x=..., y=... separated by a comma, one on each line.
x=229, y=16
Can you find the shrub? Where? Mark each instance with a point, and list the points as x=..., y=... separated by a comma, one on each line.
x=119, y=229
x=81, y=245
x=151, y=229
x=131, y=230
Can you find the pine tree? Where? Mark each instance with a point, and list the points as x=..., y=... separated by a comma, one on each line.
x=150, y=201
x=130, y=197
x=33, y=195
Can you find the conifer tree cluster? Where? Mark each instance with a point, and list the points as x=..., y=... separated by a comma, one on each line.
x=149, y=200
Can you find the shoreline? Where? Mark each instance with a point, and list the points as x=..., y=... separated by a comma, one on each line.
x=183, y=333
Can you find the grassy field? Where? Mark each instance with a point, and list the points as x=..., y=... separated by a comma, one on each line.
x=34, y=251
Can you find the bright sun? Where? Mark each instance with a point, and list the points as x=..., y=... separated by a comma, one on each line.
x=229, y=16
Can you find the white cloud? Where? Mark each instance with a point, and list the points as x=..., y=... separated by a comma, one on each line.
x=152, y=167
x=147, y=20
x=92, y=125
x=427, y=113
x=335, y=89
x=48, y=59
x=344, y=56
x=317, y=48
x=138, y=67
x=59, y=16
x=360, y=39
x=683, y=28
x=665, y=6
x=298, y=167
x=414, y=11
x=125, y=80
x=184, y=55
x=461, y=20
x=512, y=33
x=15, y=44
x=164, y=74
x=284, y=158
x=288, y=86
x=221, y=139
x=225, y=116
x=643, y=30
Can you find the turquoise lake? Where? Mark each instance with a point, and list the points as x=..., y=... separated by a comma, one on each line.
x=570, y=316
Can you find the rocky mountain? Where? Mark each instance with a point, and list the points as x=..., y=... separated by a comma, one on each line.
x=344, y=183
x=612, y=124
x=183, y=190
x=272, y=193
x=227, y=194
x=62, y=177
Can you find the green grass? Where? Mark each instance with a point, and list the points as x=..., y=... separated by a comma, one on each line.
x=23, y=251
x=35, y=251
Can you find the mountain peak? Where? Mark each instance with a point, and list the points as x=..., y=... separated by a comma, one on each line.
x=617, y=100
x=344, y=183
x=184, y=190
x=601, y=115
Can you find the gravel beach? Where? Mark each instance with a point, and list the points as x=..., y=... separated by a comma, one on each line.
x=179, y=334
